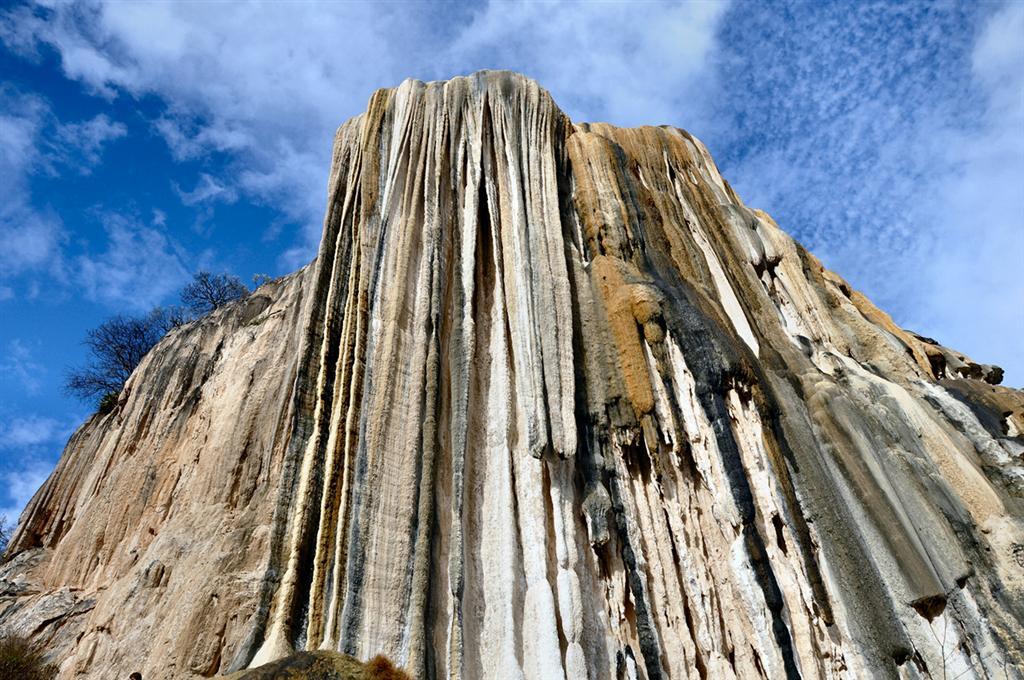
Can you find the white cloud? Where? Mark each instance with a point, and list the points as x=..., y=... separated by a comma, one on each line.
x=21, y=117
x=28, y=431
x=21, y=485
x=189, y=138
x=82, y=143
x=31, y=237
x=625, y=63
x=34, y=141
x=139, y=267
x=269, y=83
x=29, y=443
x=972, y=290
x=208, y=189
x=19, y=364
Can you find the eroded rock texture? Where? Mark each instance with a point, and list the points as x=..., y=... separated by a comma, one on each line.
x=551, y=402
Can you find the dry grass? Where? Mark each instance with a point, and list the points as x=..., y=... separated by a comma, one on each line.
x=23, y=660
x=381, y=668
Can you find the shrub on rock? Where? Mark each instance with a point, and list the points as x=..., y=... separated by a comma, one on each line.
x=21, y=659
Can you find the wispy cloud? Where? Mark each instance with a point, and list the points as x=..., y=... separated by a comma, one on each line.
x=31, y=236
x=28, y=444
x=34, y=141
x=18, y=364
x=21, y=484
x=81, y=144
x=206, y=190
x=28, y=431
x=138, y=268
x=888, y=138
x=971, y=290
x=269, y=83
x=624, y=63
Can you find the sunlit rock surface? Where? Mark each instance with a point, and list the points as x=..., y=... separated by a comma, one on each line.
x=550, y=402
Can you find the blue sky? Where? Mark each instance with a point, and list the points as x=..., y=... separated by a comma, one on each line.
x=142, y=141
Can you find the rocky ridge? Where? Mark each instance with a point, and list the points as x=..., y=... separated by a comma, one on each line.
x=550, y=402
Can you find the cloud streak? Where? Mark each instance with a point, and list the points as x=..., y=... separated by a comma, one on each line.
x=208, y=189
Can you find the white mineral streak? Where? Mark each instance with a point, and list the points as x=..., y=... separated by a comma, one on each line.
x=726, y=295
x=809, y=631
x=567, y=554
x=551, y=403
x=499, y=542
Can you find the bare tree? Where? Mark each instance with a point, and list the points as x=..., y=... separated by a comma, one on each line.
x=118, y=345
x=115, y=348
x=259, y=279
x=209, y=291
x=171, y=317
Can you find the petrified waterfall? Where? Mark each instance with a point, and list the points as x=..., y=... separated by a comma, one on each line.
x=551, y=402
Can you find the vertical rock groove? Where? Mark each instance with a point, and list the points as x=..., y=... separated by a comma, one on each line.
x=551, y=402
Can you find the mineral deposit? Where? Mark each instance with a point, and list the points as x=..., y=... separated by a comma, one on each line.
x=551, y=402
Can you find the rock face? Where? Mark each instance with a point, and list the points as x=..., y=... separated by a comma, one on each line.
x=550, y=402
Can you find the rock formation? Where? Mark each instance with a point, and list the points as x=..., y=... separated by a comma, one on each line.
x=550, y=402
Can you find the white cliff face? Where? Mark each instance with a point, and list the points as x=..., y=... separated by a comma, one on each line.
x=550, y=403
